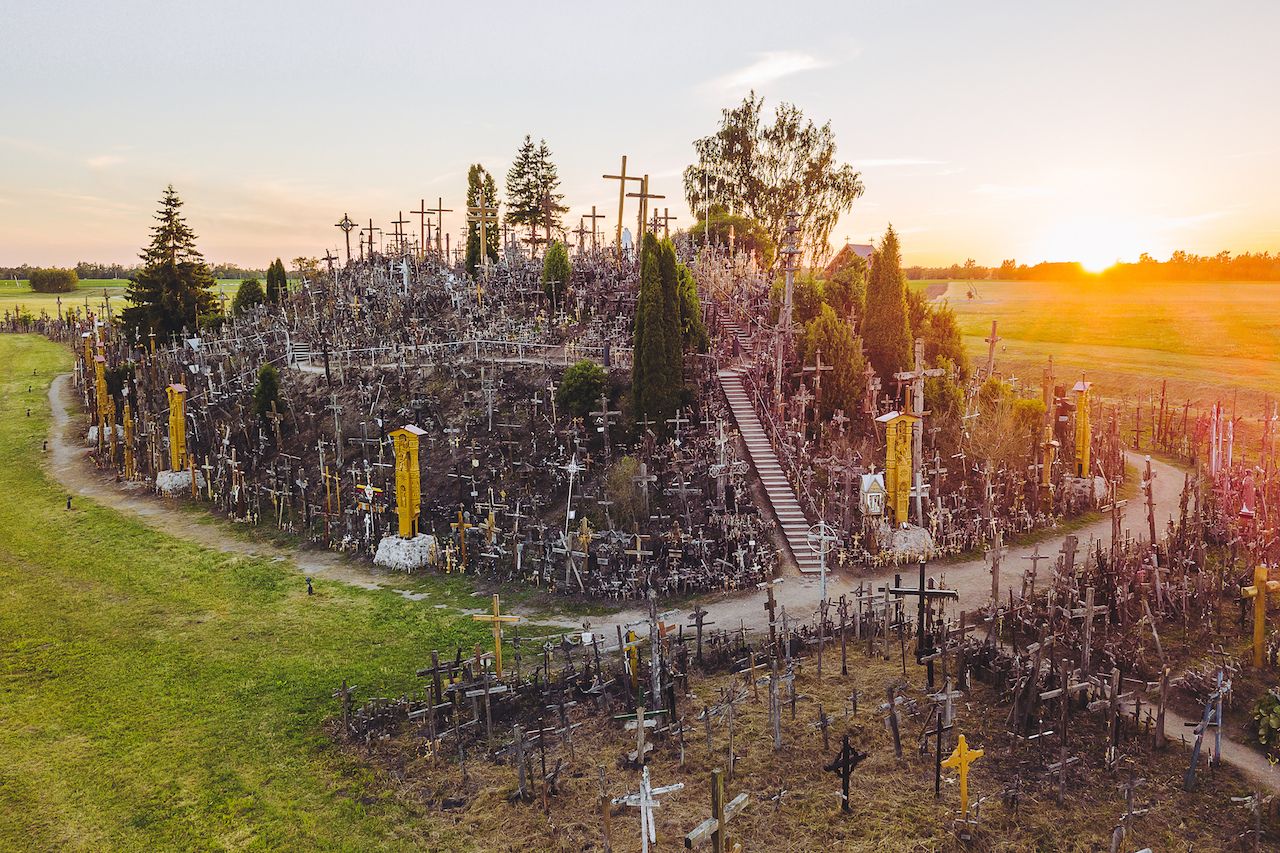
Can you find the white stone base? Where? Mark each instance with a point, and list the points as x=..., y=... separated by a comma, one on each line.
x=92, y=437
x=405, y=555
x=171, y=483
x=1089, y=491
x=912, y=543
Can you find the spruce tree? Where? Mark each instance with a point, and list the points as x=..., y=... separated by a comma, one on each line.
x=653, y=389
x=531, y=186
x=481, y=188
x=174, y=288
x=885, y=327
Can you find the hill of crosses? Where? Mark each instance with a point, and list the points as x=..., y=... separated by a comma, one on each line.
x=753, y=574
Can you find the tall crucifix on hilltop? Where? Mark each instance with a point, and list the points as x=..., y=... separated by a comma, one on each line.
x=622, y=177
x=916, y=377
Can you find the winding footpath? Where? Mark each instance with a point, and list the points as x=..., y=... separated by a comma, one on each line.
x=70, y=465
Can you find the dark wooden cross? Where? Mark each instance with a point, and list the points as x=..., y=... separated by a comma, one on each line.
x=622, y=179
x=923, y=594
x=347, y=226
x=843, y=765
x=715, y=828
x=593, y=217
x=699, y=616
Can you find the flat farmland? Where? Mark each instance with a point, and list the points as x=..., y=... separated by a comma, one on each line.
x=14, y=295
x=1210, y=340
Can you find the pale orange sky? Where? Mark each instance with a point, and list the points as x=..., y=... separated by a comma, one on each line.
x=986, y=130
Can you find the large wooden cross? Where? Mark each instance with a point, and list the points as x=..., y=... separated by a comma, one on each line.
x=716, y=828
x=922, y=593
x=439, y=210
x=916, y=377
x=483, y=215
x=644, y=195
x=622, y=177
x=496, y=619
x=1258, y=592
x=594, y=216
x=346, y=225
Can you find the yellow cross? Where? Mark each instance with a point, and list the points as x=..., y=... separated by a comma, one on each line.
x=462, y=527
x=1258, y=592
x=496, y=619
x=960, y=759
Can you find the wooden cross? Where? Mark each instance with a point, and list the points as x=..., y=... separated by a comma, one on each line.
x=461, y=527
x=439, y=210
x=716, y=828
x=622, y=179
x=843, y=765
x=824, y=723
x=495, y=620
x=347, y=226
x=916, y=377
x=593, y=216
x=1063, y=693
x=644, y=195
x=923, y=594
x=1258, y=592
x=771, y=606
x=961, y=757
x=645, y=800
x=699, y=616
x=483, y=215
x=1086, y=613
x=639, y=721
x=665, y=219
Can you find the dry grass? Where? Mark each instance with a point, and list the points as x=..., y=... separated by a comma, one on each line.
x=893, y=806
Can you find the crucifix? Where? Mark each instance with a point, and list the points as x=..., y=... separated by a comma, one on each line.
x=1063, y=694
x=961, y=757
x=622, y=179
x=606, y=418
x=771, y=606
x=843, y=765
x=699, y=616
x=642, y=479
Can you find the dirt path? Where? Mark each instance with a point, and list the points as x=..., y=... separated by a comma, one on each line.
x=70, y=465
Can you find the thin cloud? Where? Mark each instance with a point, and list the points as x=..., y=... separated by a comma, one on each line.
x=768, y=68
x=104, y=161
x=1012, y=191
x=883, y=162
x=1176, y=223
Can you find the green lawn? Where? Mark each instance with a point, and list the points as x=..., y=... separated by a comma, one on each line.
x=159, y=696
x=95, y=290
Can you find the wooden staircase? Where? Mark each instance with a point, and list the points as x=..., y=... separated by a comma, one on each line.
x=782, y=498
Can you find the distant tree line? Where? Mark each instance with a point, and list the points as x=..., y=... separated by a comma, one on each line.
x=93, y=270
x=1181, y=266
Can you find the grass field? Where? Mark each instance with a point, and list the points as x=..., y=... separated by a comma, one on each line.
x=95, y=290
x=1208, y=339
x=159, y=696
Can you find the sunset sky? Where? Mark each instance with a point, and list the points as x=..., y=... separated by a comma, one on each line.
x=1084, y=131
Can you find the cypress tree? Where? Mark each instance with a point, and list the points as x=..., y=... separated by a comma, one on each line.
x=556, y=271
x=174, y=288
x=653, y=390
x=885, y=327
x=481, y=188
x=277, y=282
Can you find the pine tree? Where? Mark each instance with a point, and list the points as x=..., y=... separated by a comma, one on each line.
x=549, y=206
x=885, y=327
x=481, y=189
x=556, y=271
x=174, y=288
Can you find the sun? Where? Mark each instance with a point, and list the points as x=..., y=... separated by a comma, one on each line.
x=1096, y=242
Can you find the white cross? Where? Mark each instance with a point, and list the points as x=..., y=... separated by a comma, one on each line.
x=644, y=799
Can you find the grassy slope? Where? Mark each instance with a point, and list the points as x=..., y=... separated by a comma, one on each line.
x=160, y=696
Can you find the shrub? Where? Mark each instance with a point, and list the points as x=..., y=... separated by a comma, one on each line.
x=249, y=294
x=54, y=280
x=581, y=387
x=1267, y=716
